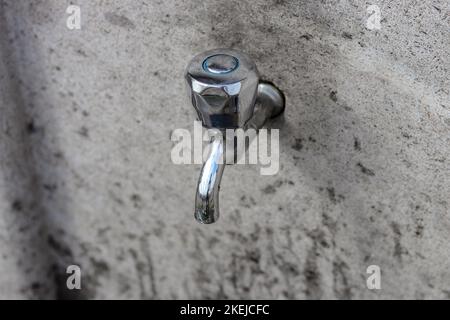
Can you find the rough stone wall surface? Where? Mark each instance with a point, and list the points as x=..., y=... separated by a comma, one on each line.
x=86, y=176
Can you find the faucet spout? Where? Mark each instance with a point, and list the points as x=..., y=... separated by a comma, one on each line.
x=207, y=195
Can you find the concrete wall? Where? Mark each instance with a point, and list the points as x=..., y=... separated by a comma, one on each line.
x=86, y=176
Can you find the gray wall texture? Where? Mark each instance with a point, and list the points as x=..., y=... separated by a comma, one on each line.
x=87, y=179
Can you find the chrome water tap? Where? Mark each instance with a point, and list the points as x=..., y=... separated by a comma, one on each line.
x=224, y=88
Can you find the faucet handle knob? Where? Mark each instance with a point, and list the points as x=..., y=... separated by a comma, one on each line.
x=223, y=86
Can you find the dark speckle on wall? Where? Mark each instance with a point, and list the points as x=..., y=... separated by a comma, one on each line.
x=119, y=20
x=365, y=170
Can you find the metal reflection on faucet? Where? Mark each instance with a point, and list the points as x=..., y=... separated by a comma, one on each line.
x=207, y=196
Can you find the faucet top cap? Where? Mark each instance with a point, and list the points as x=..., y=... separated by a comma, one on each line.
x=220, y=63
x=221, y=66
